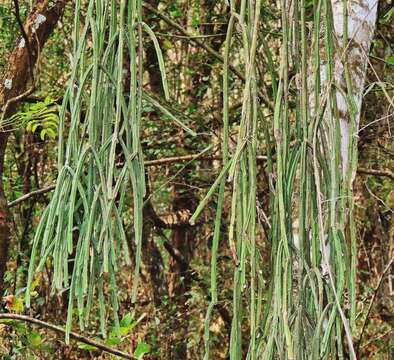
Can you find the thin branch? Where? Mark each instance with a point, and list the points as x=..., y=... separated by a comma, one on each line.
x=157, y=162
x=30, y=195
x=206, y=47
x=377, y=338
x=387, y=173
x=172, y=250
x=191, y=36
x=178, y=27
x=176, y=159
x=73, y=335
x=11, y=101
x=378, y=198
x=34, y=99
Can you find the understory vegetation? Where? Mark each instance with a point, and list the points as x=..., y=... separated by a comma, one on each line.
x=196, y=179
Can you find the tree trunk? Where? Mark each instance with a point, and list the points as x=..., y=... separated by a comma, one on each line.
x=354, y=51
x=183, y=238
x=38, y=26
x=151, y=255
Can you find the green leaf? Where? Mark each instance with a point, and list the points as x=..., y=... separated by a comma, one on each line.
x=126, y=320
x=166, y=44
x=17, y=305
x=84, y=346
x=387, y=17
x=50, y=121
x=51, y=133
x=29, y=126
x=16, y=325
x=125, y=330
x=34, y=339
x=34, y=126
x=43, y=133
x=141, y=349
x=174, y=11
x=195, y=22
x=36, y=106
x=113, y=340
x=390, y=60
x=18, y=194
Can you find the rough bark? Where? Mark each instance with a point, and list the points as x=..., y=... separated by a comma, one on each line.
x=15, y=83
x=361, y=20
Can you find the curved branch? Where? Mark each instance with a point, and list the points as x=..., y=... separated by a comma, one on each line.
x=30, y=195
x=73, y=335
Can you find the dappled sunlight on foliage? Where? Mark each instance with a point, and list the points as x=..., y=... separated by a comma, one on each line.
x=196, y=179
